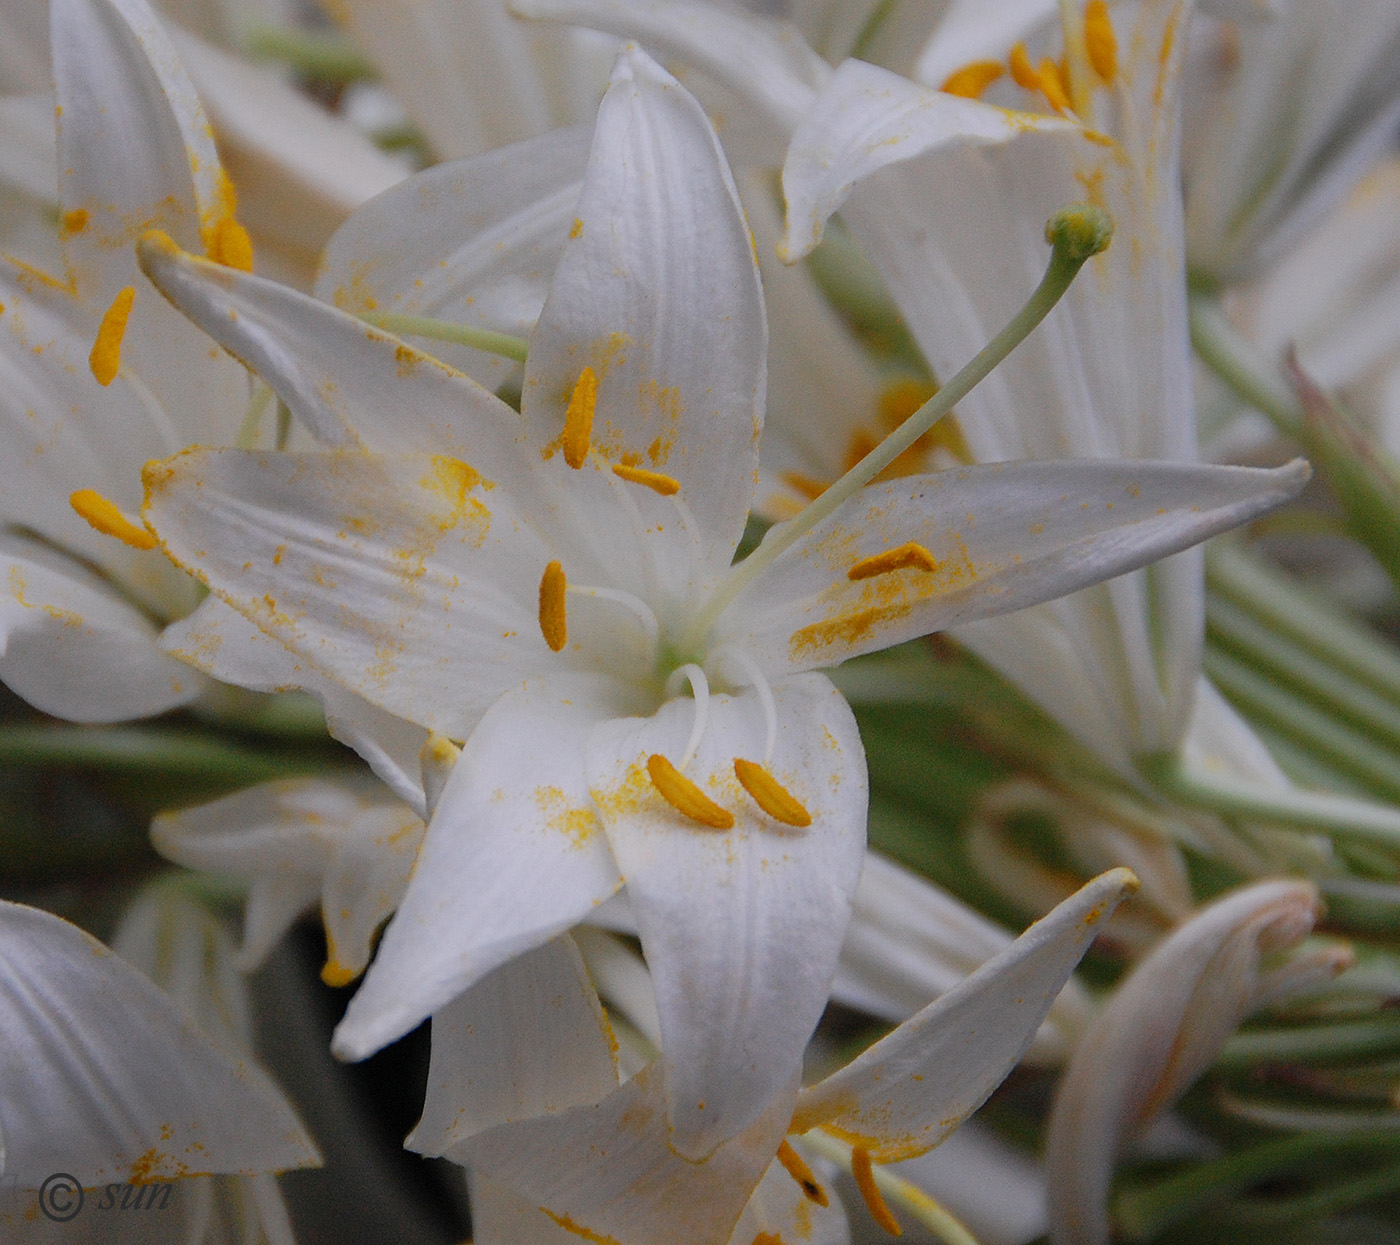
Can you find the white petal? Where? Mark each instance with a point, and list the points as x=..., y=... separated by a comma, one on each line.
x=513, y=856
x=500, y=1216
x=74, y=647
x=27, y=151
x=1003, y=537
x=1160, y=1030
x=383, y=573
x=903, y=1095
x=104, y=1079
x=529, y=1039
x=741, y=928
x=609, y=1169
x=657, y=291
x=472, y=242
x=780, y=1208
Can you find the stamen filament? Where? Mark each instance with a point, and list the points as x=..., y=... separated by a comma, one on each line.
x=874, y=1200
x=106, y=356
x=554, y=622
x=700, y=690
x=633, y=604
x=797, y=1168
x=1076, y=233
x=759, y=685
x=770, y=795
x=502, y=344
x=578, y=419
x=901, y=558
x=666, y=485
x=684, y=796
x=106, y=516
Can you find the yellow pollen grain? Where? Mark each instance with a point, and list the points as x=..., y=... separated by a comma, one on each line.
x=75, y=221
x=972, y=79
x=230, y=245
x=667, y=486
x=106, y=356
x=899, y=559
x=108, y=519
x=775, y=800
x=874, y=1200
x=684, y=796
x=578, y=419
x=1099, y=40
x=800, y=1172
x=554, y=622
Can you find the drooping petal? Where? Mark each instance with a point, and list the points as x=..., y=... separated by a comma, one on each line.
x=529, y=1039
x=104, y=1079
x=999, y=538
x=513, y=856
x=74, y=647
x=903, y=1095
x=471, y=242
x=1160, y=1030
x=610, y=1171
x=657, y=293
x=741, y=927
x=383, y=573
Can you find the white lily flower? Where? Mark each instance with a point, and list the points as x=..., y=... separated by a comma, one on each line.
x=547, y=604
x=523, y=1088
x=104, y=1078
x=1162, y=1028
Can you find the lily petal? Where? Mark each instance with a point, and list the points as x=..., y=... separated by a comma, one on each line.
x=513, y=856
x=741, y=927
x=105, y=1079
x=1000, y=538
x=906, y=1093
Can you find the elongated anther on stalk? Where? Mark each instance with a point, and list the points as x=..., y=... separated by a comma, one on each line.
x=684, y=796
x=106, y=356
x=770, y=795
x=870, y=1191
x=554, y=622
x=667, y=486
x=972, y=79
x=1023, y=73
x=1079, y=231
x=1052, y=85
x=230, y=245
x=578, y=419
x=800, y=1172
x=106, y=516
x=901, y=558
x=1099, y=40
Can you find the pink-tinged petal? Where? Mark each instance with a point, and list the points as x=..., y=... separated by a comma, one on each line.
x=514, y=855
x=106, y=1080
x=658, y=294
x=471, y=242
x=998, y=539
x=1160, y=1031
x=609, y=1170
x=741, y=927
x=76, y=648
x=529, y=1039
x=383, y=573
x=903, y=1095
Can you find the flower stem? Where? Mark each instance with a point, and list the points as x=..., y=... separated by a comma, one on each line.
x=1076, y=234
x=327, y=57
x=1241, y=365
x=447, y=331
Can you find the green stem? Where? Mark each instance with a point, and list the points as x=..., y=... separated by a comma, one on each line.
x=446, y=331
x=1340, y=1196
x=1071, y=249
x=1333, y=1043
x=327, y=57
x=1241, y=365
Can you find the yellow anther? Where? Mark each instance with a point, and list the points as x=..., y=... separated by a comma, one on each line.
x=106, y=356
x=684, y=796
x=1099, y=40
x=972, y=79
x=899, y=559
x=767, y=1238
x=775, y=800
x=108, y=519
x=801, y=1173
x=230, y=245
x=578, y=419
x=666, y=485
x=554, y=622
x=1052, y=84
x=1023, y=73
x=870, y=1191
x=335, y=974
x=900, y=398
